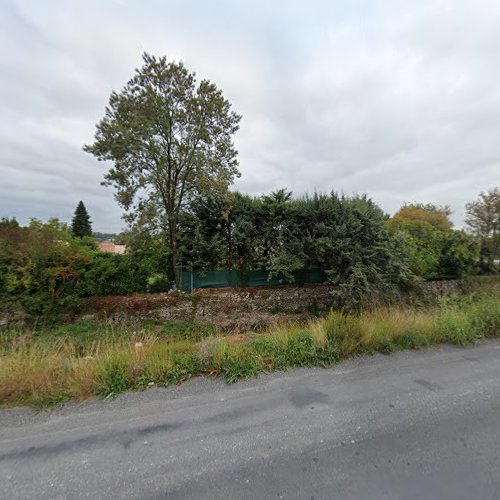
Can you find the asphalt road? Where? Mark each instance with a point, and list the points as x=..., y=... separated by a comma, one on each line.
x=413, y=425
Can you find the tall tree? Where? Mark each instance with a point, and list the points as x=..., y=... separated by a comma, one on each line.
x=437, y=217
x=171, y=141
x=81, y=224
x=483, y=219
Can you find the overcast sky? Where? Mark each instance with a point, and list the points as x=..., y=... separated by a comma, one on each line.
x=397, y=99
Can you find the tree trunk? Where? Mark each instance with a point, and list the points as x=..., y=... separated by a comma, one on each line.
x=175, y=253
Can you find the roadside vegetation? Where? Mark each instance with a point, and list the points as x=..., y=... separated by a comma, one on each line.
x=45, y=269
x=47, y=366
x=167, y=139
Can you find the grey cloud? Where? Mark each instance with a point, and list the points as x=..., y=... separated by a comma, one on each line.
x=394, y=99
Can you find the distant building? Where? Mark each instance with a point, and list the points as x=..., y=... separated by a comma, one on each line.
x=110, y=247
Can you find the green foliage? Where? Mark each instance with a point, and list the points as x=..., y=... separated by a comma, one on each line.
x=434, y=252
x=44, y=270
x=413, y=339
x=184, y=366
x=81, y=225
x=149, y=246
x=40, y=267
x=48, y=366
x=422, y=245
x=283, y=251
x=343, y=332
x=191, y=330
x=6, y=223
x=301, y=351
x=234, y=361
x=436, y=217
x=170, y=140
x=287, y=237
x=484, y=316
x=459, y=254
x=113, y=376
x=157, y=283
x=113, y=274
x=483, y=220
x=457, y=328
x=164, y=366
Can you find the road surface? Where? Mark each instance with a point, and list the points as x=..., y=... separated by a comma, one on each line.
x=413, y=425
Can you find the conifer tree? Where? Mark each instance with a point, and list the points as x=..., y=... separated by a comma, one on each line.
x=81, y=225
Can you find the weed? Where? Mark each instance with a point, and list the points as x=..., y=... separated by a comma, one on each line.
x=343, y=332
x=47, y=366
x=234, y=361
x=457, y=328
x=413, y=339
x=113, y=376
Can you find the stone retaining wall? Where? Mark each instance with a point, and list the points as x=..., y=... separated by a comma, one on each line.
x=207, y=304
x=229, y=303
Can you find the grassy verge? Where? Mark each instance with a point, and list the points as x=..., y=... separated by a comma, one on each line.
x=47, y=367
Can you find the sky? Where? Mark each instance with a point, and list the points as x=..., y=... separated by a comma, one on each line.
x=399, y=100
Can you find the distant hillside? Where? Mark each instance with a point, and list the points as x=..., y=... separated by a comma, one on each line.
x=104, y=236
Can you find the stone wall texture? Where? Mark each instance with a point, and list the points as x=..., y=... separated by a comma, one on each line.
x=207, y=304
x=225, y=304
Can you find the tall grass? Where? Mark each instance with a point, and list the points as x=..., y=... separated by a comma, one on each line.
x=82, y=360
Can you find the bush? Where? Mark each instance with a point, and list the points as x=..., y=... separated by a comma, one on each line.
x=158, y=283
x=112, y=274
x=436, y=253
x=40, y=267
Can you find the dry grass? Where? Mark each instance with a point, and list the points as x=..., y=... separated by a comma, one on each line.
x=84, y=360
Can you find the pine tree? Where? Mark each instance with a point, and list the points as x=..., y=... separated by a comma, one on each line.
x=81, y=225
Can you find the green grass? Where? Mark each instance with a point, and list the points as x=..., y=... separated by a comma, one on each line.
x=45, y=367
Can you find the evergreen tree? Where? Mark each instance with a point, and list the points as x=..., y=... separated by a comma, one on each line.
x=81, y=225
x=7, y=223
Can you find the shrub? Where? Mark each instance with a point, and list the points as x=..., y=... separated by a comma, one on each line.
x=112, y=274
x=40, y=267
x=157, y=283
x=435, y=252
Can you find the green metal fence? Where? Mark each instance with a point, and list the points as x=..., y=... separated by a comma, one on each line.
x=232, y=278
